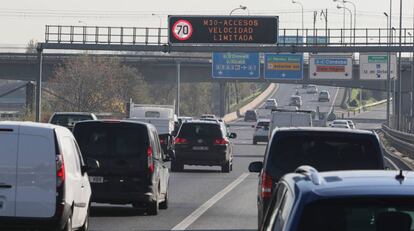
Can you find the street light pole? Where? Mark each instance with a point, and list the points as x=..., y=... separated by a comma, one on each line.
x=388, y=71
x=303, y=20
x=355, y=15
x=399, y=71
x=350, y=14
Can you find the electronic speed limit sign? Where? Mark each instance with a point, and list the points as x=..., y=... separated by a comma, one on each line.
x=182, y=30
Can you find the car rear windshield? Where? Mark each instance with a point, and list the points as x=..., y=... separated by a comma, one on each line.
x=200, y=130
x=107, y=139
x=325, y=152
x=69, y=120
x=263, y=124
x=357, y=214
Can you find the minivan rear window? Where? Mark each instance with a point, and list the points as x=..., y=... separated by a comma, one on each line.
x=325, y=152
x=200, y=130
x=105, y=139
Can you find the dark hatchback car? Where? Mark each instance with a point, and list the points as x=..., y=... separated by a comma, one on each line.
x=132, y=169
x=326, y=149
x=203, y=143
x=250, y=116
x=68, y=119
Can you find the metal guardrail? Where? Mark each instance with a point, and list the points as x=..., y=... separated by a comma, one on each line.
x=159, y=36
x=404, y=142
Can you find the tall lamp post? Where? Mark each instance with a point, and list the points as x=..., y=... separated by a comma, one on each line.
x=355, y=14
x=303, y=20
x=399, y=72
x=350, y=14
x=343, y=19
x=388, y=70
x=241, y=7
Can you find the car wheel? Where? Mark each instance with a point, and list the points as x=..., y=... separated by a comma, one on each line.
x=153, y=207
x=68, y=225
x=164, y=204
x=226, y=167
x=85, y=226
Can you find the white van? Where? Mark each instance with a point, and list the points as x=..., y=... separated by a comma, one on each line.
x=43, y=180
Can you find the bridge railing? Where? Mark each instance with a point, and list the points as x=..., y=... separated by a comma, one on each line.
x=404, y=142
x=287, y=37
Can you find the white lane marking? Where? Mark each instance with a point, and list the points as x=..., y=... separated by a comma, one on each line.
x=392, y=163
x=334, y=100
x=183, y=225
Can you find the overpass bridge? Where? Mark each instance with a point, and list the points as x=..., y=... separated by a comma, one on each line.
x=159, y=68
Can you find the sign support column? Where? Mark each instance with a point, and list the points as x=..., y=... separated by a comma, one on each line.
x=39, y=85
x=178, y=87
x=222, y=98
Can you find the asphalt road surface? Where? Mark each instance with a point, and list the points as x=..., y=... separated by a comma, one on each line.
x=203, y=198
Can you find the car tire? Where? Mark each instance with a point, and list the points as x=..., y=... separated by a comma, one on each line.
x=164, y=204
x=85, y=226
x=153, y=207
x=226, y=167
x=68, y=225
x=176, y=167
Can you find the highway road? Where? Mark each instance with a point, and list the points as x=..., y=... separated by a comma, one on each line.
x=203, y=198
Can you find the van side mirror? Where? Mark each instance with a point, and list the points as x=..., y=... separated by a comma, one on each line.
x=91, y=164
x=233, y=135
x=256, y=166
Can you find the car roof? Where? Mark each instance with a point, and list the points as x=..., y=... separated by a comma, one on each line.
x=114, y=122
x=323, y=129
x=211, y=121
x=29, y=124
x=263, y=120
x=343, y=121
x=72, y=113
x=352, y=183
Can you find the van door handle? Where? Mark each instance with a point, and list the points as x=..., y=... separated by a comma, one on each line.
x=5, y=185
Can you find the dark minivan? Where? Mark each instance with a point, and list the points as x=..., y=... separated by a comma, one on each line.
x=132, y=169
x=326, y=149
x=205, y=143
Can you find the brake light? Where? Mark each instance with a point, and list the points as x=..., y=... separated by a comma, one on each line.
x=162, y=141
x=179, y=140
x=220, y=141
x=150, y=161
x=60, y=170
x=267, y=185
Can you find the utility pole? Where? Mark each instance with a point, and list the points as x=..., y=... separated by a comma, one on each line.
x=400, y=72
x=178, y=87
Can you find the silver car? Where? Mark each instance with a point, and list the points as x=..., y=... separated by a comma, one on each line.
x=324, y=96
x=261, y=132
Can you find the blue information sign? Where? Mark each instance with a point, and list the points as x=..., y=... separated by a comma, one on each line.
x=290, y=40
x=236, y=65
x=283, y=66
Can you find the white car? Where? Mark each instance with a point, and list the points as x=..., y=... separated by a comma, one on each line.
x=261, y=132
x=340, y=124
x=311, y=89
x=270, y=104
x=44, y=182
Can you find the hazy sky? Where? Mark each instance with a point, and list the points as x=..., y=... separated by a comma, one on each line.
x=22, y=20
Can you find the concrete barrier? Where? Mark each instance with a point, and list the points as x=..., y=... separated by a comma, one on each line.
x=258, y=101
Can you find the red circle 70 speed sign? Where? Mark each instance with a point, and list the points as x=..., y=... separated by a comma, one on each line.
x=182, y=30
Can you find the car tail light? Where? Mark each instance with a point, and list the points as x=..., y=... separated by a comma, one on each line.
x=60, y=170
x=162, y=141
x=267, y=184
x=220, y=141
x=150, y=161
x=179, y=140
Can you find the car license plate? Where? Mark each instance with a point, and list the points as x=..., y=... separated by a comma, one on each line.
x=96, y=179
x=200, y=148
